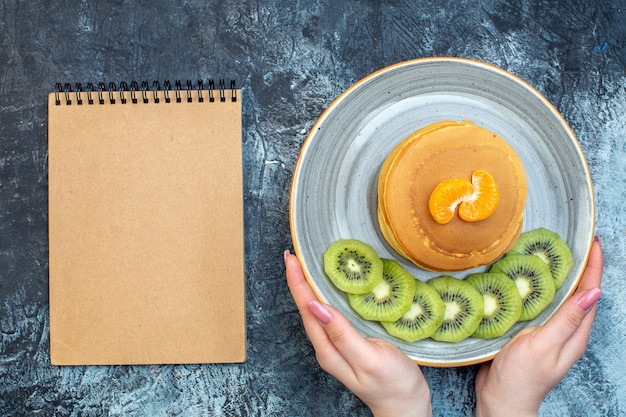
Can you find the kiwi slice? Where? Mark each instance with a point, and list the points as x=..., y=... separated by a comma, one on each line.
x=464, y=308
x=502, y=303
x=423, y=317
x=390, y=298
x=533, y=280
x=548, y=246
x=353, y=266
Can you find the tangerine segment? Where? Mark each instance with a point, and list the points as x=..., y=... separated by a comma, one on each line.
x=446, y=196
x=476, y=200
x=485, y=199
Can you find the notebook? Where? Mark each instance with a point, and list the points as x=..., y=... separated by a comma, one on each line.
x=146, y=249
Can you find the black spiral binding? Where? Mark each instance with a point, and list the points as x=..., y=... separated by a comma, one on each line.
x=133, y=94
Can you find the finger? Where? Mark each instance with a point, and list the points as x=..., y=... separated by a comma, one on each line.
x=340, y=348
x=345, y=339
x=327, y=354
x=570, y=319
x=303, y=295
x=593, y=271
x=481, y=376
x=576, y=345
x=300, y=289
x=357, y=350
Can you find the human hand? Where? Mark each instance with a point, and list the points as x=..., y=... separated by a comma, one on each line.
x=533, y=362
x=377, y=372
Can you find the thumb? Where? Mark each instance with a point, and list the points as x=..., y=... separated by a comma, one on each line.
x=481, y=376
x=347, y=340
x=568, y=319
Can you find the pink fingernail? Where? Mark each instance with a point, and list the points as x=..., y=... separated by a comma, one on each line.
x=587, y=299
x=285, y=254
x=597, y=239
x=320, y=312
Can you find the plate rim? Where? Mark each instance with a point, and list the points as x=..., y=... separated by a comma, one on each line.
x=421, y=61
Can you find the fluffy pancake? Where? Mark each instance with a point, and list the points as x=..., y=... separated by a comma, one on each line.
x=438, y=152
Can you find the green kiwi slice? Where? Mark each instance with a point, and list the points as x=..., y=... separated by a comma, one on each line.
x=353, y=266
x=533, y=280
x=390, y=298
x=502, y=303
x=548, y=246
x=464, y=308
x=423, y=317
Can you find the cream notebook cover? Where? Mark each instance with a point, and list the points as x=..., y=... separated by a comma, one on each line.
x=146, y=226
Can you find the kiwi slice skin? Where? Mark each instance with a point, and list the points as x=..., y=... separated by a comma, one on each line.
x=423, y=317
x=548, y=246
x=464, y=308
x=353, y=266
x=533, y=280
x=502, y=303
x=390, y=298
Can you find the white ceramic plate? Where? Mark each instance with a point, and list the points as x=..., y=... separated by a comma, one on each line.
x=334, y=189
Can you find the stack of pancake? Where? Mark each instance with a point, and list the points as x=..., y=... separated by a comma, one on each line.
x=436, y=153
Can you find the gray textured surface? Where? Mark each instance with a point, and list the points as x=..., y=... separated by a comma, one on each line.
x=292, y=59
